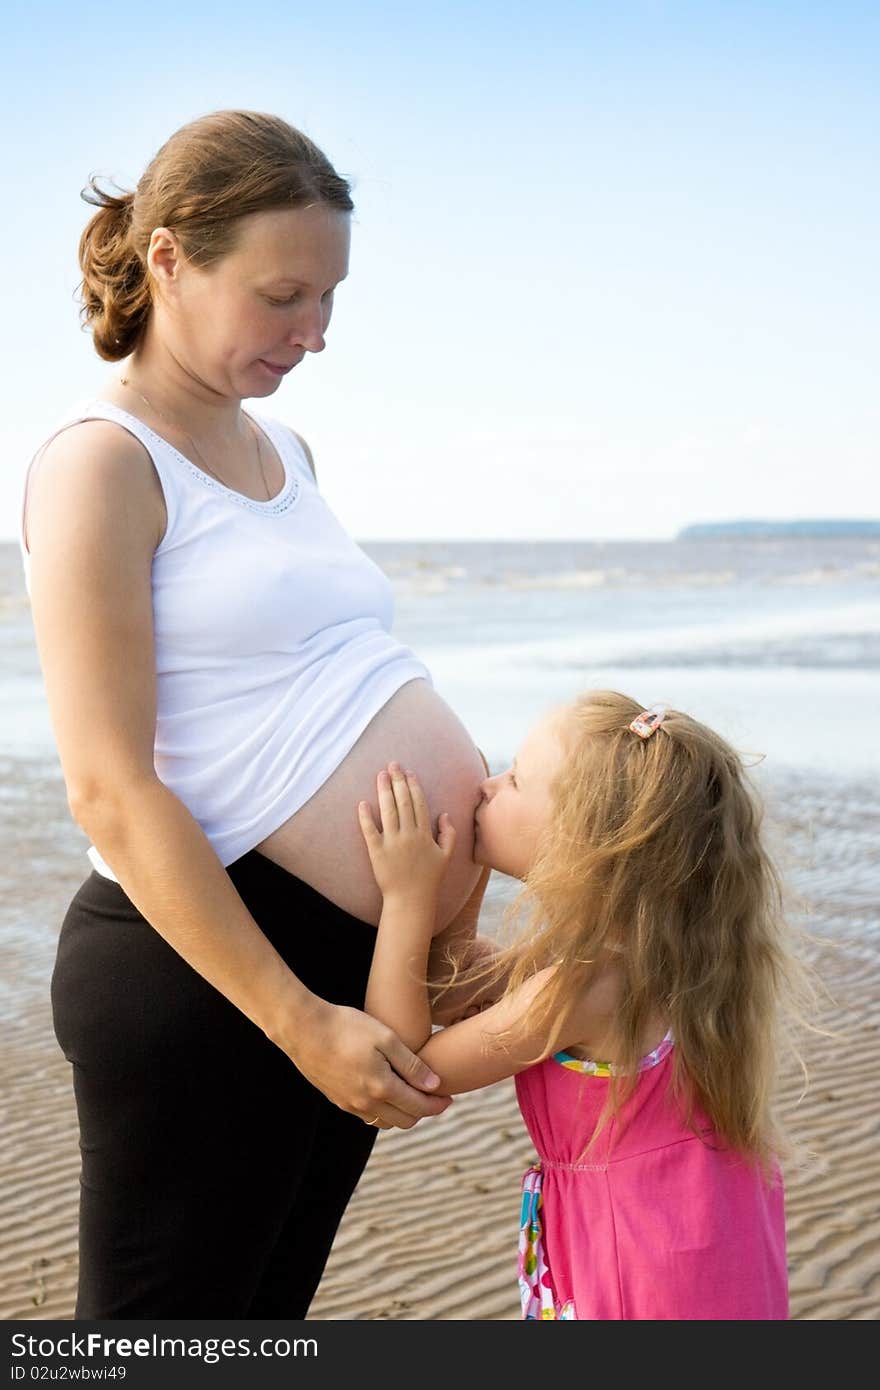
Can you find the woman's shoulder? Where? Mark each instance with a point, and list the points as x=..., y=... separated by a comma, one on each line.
x=90, y=457
x=306, y=451
x=292, y=439
x=90, y=429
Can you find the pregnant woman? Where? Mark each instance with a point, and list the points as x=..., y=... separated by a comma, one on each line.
x=223, y=684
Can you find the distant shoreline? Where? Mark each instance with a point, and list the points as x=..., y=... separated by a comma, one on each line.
x=815, y=527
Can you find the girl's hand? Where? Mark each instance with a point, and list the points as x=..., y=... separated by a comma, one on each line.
x=406, y=859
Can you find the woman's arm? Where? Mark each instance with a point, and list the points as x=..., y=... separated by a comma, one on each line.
x=95, y=516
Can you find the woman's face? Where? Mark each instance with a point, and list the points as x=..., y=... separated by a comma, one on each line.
x=517, y=804
x=241, y=325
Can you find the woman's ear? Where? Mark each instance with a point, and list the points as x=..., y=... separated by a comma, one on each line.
x=164, y=255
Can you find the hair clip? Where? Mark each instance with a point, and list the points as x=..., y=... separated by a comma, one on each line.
x=649, y=721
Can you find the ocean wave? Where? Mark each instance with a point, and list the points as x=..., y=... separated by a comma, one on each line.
x=828, y=651
x=830, y=574
x=841, y=637
x=425, y=577
x=577, y=579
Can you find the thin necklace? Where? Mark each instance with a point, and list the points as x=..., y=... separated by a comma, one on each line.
x=124, y=381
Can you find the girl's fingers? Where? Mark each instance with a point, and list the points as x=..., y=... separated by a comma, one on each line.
x=387, y=803
x=403, y=800
x=419, y=804
x=368, y=825
x=446, y=835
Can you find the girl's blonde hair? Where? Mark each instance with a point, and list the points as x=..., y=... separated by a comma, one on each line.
x=653, y=859
x=208, y=176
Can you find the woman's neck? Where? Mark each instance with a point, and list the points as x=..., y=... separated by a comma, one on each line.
x=177, y=394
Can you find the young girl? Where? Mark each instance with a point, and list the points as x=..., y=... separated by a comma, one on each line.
x=638, y=1014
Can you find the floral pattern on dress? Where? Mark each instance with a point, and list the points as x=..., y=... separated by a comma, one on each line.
x=535, y=1284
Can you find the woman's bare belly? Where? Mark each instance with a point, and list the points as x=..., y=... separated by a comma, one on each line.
x=322, y=842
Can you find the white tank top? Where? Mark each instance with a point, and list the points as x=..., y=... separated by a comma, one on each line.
x=273, y=641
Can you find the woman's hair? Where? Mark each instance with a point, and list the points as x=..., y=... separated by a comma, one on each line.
x=210, y=174
x=653, y=859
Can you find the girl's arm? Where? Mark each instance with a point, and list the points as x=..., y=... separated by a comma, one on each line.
x=475, y=1052
x=94, y=520
x=408, y=865
x=460, y=941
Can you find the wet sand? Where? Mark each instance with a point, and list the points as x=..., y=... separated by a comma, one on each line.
x=431, y=1232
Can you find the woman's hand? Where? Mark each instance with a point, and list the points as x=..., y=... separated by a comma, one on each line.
x=362, y=1066
x=406, y=859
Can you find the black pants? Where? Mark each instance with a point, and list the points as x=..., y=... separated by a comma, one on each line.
x=214, y=1176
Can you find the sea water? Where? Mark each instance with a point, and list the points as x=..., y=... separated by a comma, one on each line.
x=776, y=643
x=773, y=642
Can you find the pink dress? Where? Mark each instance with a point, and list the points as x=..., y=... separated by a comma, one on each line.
x=655, y=1223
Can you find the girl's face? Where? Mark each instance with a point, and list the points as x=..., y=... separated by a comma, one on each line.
x=517, y=804
x=241, y=325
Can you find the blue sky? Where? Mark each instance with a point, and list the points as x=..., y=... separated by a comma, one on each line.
x=614, y=265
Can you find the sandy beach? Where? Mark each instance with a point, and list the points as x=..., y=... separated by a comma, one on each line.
x=398, y=1253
